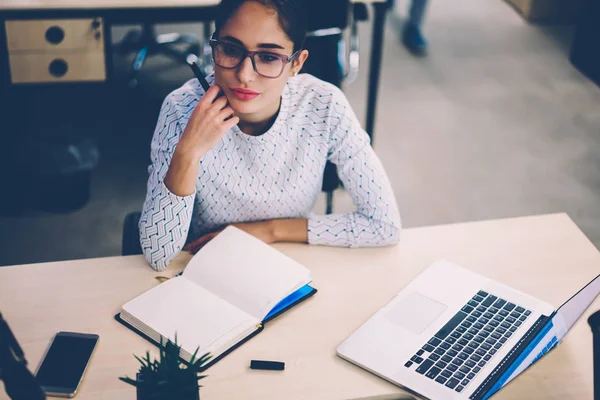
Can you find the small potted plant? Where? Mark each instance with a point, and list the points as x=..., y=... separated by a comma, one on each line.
x=169, y=377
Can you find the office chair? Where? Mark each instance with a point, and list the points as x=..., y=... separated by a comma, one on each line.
x=327, y=58
x=147, y=43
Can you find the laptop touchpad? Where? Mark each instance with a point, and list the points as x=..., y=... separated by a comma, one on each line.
x=415, y=312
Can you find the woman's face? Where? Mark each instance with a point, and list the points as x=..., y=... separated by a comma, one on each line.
x=253, y=97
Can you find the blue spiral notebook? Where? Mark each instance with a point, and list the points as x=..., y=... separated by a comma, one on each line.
x=228, y=291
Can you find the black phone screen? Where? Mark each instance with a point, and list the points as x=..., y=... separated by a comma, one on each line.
x=66, y=360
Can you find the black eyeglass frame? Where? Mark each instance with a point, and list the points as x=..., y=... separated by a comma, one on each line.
x=247, y=53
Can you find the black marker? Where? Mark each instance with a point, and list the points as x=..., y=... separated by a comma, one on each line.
x=191, y=60
x=268, y=365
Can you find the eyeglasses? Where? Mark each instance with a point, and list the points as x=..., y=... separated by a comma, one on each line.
x=265, y=63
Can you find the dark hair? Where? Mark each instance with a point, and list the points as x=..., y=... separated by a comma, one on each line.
x=292, y=15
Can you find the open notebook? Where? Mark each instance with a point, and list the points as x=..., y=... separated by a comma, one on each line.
x=229, y=289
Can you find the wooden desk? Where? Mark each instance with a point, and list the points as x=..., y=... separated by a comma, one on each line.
x=546, y=256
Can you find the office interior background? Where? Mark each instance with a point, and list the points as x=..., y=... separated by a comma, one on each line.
x=495, y=121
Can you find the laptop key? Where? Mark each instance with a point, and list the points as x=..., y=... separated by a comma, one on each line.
x=452, y=353
x=434, y=341
x=496, y=335
x=497, y=346
x=457, y=347
x=465, y=382
x=499, y=303
x=429, y=348
x=509, y=306
x=515, y=314
x=439, y=351
x=522, y=317
x=471, y=319
x=494, y=323
x=473, y=303
x=508, y=334
x=473, y=345
x=446, y=374
x=459, y=388
x=441, y=379
x=463, y=356
x=489, y=301
x=444, y=346
x=482, y=293
x=468, y=336
x=408, y=364
x=488, y=328
x=527, y=312
x=476, y=357
x=470, y=363
x=450, y=340
x=498, y=318
x=434, y=357
x=476, y=369
x=449, y=327
x=482, y=363
x=446, y=359
x=420, y=352
x=476, y=314
x=452, y=367
x=478, y=339
x=483, y=320
x=424, y=366
x=452, y=382
x=481, y=352
x=463, y=342
x=487, y=357
x=486, y=346
x=500, y=330
x=464, y=369
x=433, y=372
x=504, y=313
x=493, y=351
x=513, y=328
x=520, y=309
x=457, y=361
x=466, y=324
x=518, y=323
x=488, y=315
x=416, y=359
x=510, y=320
x=441, y=364
x=502, y=339
x=459, y=375
x=468, y=308
x=482, y=309
x=471, y=376
x=468, y=350
x=461, y=329
x=455, y=335
x=493, y=310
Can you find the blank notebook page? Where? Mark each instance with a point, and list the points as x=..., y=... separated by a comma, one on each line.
x=198, y=316
x=246, y=271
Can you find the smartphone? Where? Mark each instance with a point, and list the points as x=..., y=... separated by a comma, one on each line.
x=64, y=364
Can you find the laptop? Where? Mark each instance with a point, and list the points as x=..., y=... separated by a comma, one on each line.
x=463, y=340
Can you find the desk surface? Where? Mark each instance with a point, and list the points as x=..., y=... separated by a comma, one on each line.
x=114, y=4
x=546, y=256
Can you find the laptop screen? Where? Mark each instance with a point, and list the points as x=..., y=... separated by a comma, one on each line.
x=573, y=308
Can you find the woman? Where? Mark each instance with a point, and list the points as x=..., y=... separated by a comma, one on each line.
x=254, y=156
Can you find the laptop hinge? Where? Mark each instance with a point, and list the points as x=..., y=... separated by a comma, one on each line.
x=482, y=391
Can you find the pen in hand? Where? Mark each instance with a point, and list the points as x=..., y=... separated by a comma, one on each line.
x=191, y=60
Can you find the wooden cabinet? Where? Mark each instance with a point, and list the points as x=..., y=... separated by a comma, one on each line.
x=56, y=50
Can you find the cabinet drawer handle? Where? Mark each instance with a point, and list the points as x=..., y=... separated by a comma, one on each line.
x=55, y=34
x=58, y=68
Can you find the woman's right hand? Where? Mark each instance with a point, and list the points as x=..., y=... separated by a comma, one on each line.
x=209, y=121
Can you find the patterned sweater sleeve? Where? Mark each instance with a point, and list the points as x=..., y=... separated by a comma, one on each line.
x=166, y=217
x=376, y=221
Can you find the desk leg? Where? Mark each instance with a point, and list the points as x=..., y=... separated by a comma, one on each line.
x=375, y=65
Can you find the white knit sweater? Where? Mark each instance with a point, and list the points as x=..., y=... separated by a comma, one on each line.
x=275, y=175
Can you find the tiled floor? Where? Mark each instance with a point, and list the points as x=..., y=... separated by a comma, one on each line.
x=494, y=122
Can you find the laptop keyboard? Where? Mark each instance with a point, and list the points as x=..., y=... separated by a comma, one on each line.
x=454, y=356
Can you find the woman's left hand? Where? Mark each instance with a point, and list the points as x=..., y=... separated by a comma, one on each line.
x=262, y=230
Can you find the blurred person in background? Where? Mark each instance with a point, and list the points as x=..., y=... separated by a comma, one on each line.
x=412, y=35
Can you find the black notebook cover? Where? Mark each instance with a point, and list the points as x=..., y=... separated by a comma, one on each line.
x=235, y=346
